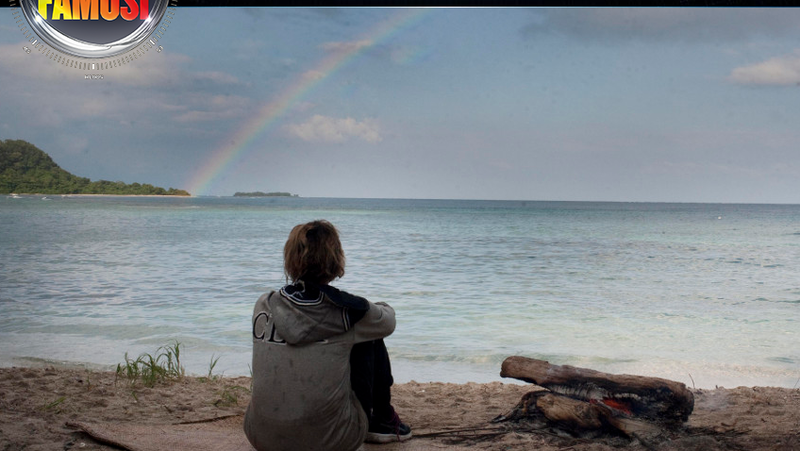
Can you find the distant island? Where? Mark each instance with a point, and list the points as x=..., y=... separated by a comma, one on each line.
x=260, y=194
x=25, y=169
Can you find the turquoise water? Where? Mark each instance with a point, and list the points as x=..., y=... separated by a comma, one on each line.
x=701, y=293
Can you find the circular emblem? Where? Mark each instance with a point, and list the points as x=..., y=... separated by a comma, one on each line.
x=95, y=29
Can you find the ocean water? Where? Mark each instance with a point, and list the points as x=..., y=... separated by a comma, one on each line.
x=705, y=294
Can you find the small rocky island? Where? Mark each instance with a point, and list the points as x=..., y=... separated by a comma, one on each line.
x=261, y=194
x=25, y=169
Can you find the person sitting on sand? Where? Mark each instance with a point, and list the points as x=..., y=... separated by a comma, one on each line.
x=321, y=372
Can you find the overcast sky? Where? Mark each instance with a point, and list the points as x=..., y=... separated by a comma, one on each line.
x=662, y=104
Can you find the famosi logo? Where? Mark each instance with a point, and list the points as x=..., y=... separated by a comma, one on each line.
x=93, y=9
x=108, y=33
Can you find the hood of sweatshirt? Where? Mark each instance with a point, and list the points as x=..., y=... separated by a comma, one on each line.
x=304, y=312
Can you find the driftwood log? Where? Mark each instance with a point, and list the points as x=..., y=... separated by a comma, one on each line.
x=584, y=401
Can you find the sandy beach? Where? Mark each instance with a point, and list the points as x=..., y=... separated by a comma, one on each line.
x=93, y=195
x=37, y=403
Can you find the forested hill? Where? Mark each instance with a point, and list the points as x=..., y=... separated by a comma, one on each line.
x=24, y=168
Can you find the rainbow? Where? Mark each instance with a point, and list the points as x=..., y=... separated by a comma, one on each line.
x=237, y=145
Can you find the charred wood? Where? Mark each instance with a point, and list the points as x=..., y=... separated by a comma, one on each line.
x=649, y=398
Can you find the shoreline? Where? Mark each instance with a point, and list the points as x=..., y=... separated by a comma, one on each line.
x=19, y=195
x=234, y=365
x=36, y=404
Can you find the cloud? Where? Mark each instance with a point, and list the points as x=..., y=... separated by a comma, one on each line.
x=93, y=107
x=144, y=89
x=778, y=71
x=152, y=70
x=155, y=71
x=15, y=61
x=664, y=24
x=246, y=48
x=201, y=107
x=303, y=106
x=217, y=77
x=397, y=54
x=409, y=54
x=311, y=75
x=332, y=130
x=73, y=144
x=346, y=47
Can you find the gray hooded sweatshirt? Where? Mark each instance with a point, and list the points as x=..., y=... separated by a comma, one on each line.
x=302, y=337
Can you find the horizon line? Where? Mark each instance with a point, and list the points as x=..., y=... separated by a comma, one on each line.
x=297, y=196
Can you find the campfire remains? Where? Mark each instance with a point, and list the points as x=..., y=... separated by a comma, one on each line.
x=589, y=403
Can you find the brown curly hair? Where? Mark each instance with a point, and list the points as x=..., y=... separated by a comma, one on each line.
x=313, y=253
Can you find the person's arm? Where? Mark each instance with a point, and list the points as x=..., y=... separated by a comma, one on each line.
x=378, y=322
x=371, y=321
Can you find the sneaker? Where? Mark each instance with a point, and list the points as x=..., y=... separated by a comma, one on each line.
x=389, y=431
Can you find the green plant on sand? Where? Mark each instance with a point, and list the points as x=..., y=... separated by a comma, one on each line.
x=229, y=396
x=55, y=405
x=211, y=366
x=149, y=369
